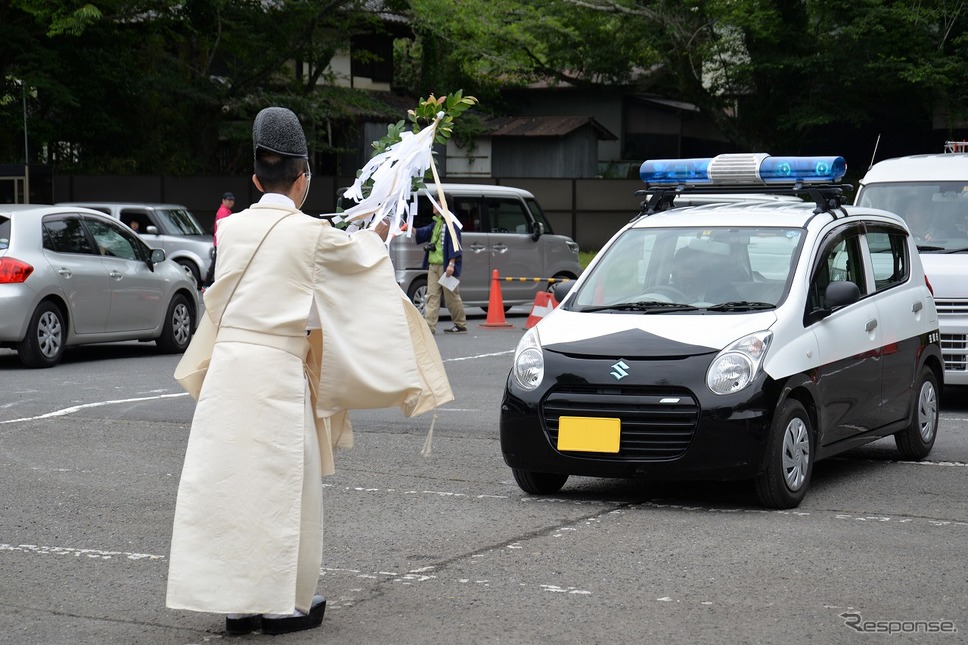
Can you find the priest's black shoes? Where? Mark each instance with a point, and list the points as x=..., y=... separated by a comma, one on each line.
x=238, y=625
x=286, y=624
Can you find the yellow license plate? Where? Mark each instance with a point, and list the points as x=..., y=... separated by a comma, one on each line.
x=589, y=434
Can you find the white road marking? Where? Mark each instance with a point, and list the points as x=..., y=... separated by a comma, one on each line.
x=470, y=358
x=76, y=408
x=86, y=553
x=429, y=574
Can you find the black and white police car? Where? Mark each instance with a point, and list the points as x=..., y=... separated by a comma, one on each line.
x=741, y=340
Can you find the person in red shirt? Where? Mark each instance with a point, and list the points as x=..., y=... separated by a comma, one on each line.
x=228, y=201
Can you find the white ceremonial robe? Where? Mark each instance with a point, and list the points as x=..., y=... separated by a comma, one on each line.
x=273, y=403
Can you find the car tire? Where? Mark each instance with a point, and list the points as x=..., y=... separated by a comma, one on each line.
x=192, y=269
x=917, y=440
x=789, y=458
x=43, y=346
x=539, y=483
x=179, y=326
x=418, y=294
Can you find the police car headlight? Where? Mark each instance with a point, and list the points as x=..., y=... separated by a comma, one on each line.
x=528, y=369
x=738, y=364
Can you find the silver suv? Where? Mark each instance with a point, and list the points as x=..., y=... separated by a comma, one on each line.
x=171, y=227
x=504, y=229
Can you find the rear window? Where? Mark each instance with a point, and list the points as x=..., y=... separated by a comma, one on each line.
x=4, y=232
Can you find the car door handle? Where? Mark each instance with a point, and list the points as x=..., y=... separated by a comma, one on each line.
x=917, y=306
x=500, y=248
x=116, y=274
x=477, y=247
x=64, y=271
x=871, y=325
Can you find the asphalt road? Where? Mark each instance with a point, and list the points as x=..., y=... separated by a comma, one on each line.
x=447, y=549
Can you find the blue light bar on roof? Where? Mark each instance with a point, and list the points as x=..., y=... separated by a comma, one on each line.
x=756, y=168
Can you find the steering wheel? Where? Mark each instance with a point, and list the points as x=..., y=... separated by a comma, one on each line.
x=668, y=294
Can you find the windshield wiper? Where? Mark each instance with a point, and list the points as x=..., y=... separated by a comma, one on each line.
x=650, y=306
x=963, y=249
x=929, y=247
x=741, y=305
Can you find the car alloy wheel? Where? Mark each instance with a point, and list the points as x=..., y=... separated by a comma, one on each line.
x=181, y=324
x=917, y=439
x=788, y=461
x=927, y=411
x=46, y=337
x=796, y=453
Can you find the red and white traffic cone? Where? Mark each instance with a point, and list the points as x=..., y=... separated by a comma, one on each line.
x=544, y=302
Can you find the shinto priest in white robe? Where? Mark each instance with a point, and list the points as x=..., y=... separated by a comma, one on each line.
x=273, y=401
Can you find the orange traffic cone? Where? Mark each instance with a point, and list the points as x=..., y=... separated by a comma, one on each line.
x=495, y=306
x=544, y=302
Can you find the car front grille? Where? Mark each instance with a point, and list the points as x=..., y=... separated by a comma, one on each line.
x=954, y=348
x=656, y=424
x=951, y=307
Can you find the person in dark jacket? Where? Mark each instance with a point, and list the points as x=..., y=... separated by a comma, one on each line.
x=441, y=260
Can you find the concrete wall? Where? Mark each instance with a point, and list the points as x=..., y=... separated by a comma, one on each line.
x=588, y=210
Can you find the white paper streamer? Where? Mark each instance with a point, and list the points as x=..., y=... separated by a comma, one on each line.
x=392, y=172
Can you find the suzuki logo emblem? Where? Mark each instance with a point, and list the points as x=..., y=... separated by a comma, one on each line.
x=619, y=370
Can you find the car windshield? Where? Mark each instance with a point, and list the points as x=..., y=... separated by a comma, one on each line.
x=713, y=269
x=936, y=212
x=179, y=221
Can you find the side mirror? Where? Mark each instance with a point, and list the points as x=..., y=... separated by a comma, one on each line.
x=151, y=230
x=561, y=289
x=538, y=231
x=840, y=294
x=837, y=294
x=157, y=257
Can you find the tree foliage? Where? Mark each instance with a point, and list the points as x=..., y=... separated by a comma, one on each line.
x=771, y=72
x=148, y=86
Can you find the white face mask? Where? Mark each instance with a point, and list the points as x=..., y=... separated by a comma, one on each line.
x=309, y=177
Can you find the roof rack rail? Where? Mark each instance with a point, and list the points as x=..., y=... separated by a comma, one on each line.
x=827, y=197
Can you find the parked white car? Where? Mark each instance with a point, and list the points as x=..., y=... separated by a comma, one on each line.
x=931, y=193
x=739, y=340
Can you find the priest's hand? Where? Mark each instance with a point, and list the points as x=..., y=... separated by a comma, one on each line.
x=383, y=228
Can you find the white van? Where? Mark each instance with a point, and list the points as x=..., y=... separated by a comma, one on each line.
x=504, y=229
x=931, y=193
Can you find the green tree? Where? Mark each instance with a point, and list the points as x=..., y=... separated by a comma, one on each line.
x=152, y=86
x=772, y=73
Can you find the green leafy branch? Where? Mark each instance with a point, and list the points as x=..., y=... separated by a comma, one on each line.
x=452, y=106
